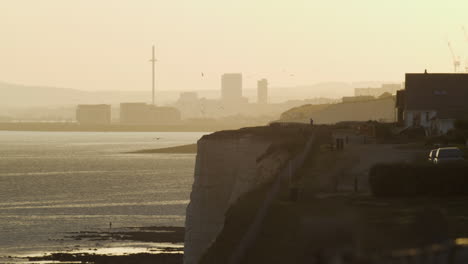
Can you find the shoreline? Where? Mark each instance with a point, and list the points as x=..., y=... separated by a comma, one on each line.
x=182, y=149
x=154, y=244
x=74, y=127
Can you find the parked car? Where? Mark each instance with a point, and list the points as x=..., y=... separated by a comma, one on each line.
x=432, y=155
x=448, y=155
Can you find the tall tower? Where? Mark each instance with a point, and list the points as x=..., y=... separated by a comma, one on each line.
x=262, y=91
x=153, y=64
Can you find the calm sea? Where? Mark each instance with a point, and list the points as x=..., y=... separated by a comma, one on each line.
x=52, y=183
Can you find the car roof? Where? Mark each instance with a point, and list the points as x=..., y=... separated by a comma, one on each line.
x=449, y=148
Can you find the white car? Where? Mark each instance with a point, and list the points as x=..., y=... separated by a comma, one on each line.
x=432, y=155
x=448, y=155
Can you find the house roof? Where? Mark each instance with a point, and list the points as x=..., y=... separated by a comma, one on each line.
x=436, y=91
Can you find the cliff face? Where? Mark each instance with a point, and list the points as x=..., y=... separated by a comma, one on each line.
x=226, y=168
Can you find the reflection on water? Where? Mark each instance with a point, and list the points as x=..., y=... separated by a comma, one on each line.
x=57, y=182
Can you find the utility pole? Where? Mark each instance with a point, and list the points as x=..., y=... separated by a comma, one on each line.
x=153, y=63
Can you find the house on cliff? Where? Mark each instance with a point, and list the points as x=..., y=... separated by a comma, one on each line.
x=433, y=101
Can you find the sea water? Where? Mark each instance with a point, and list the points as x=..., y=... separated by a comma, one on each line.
x=53, y=183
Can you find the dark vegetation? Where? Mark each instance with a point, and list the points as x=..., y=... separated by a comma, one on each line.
x=400, y=180
x=142, y=258
x=457, y=136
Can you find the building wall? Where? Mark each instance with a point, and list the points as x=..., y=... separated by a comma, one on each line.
x=262, y=91
x=419, y=117
x=93, y=114
x=133, y=113
x=439, y=97
x=145, y=114
x=231, y=86
x=164, y=115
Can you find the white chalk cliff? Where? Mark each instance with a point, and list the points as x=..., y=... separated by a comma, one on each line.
x=226, y=168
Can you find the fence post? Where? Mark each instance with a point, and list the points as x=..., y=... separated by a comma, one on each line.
x=355, y=183
x=451, y=254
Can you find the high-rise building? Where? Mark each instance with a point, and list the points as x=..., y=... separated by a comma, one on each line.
x=231, y=87
x=262, y=91
x=93, y=114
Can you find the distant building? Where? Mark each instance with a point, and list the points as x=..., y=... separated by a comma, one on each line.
x=93, y=114
x=134, y=113
x=351, y=99
x=376, y=92
x=163, y=115
x=433, y=101
x=188, y=97
x=146, y=114
x=231, y=87
x=262, y=91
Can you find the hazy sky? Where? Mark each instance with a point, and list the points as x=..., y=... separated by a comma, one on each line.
x=106, y=44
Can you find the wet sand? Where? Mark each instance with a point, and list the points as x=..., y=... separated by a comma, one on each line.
x=158, y=245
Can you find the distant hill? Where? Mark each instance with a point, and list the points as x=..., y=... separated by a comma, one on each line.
x=15, y=95
x=381, y=109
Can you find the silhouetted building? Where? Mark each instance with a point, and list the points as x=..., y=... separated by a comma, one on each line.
x=262, y=91
x=433, y=101
x=390, y=88
x=231, y=87
x=146, y=114
x=93, y=114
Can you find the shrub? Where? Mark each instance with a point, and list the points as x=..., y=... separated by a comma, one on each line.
x=400, y=180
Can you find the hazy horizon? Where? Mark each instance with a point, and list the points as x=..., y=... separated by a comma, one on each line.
x=106, y=45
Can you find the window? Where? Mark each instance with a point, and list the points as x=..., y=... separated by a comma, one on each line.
x=440, y=92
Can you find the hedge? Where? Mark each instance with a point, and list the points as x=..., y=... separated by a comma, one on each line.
x=398, y=180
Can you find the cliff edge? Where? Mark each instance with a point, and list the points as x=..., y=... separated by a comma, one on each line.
x=228, y=165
